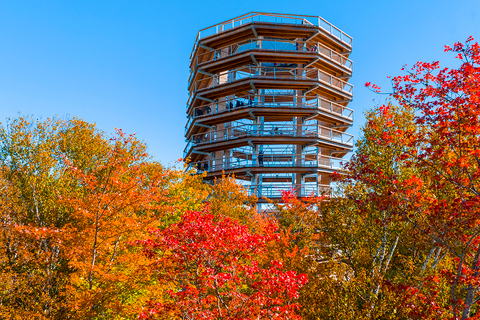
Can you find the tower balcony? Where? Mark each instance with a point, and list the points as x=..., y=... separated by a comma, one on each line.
x=273, y=25
x=243, y=79
x=244, y=164
x=269, y=52
x=273, y=191
x=246, y=134
x=273, y=107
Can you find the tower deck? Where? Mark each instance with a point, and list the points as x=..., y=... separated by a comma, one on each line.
x=268, y=102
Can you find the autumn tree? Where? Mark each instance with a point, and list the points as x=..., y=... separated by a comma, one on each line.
x=33, y=270
x=368, y=247
x=211, y=264
x=71, y=199
x=437, y=198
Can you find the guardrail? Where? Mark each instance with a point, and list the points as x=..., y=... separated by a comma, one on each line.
x=273, y=191
x=267, y=101
x=272, y=160
x=274, y=18
x=271, y=45
x=276, y=73
x=258, y=130
x=254, y=130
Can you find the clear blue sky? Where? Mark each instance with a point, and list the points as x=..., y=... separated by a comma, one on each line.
x=124, y=64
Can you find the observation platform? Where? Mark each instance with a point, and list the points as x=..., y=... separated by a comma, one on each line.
x=273, y=25
x=271, y=52
x=241, y=81
x=271, y=107
x=243, y=135
x=268, y=102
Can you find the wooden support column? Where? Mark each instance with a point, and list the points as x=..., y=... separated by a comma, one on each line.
x=222, y=128
x=299, y=122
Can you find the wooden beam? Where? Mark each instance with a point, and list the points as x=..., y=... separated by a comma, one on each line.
x=205, y=99
x=206, y=73
x=342, y=101
x=205, y=47
x=313, y=36
x=203, y=153
x=342, y=126
x=308, y=91
x=309, y=174
x=202, y=125
x=308, y=65
x=255, y=32
x=253, y=59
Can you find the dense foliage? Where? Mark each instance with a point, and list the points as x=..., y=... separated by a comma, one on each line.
x=92, y=228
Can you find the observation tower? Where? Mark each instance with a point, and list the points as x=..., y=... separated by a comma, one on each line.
x=268, y=96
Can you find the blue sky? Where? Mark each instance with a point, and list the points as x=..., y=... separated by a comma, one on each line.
x=125, y=64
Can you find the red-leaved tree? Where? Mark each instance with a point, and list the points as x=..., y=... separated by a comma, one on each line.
x=441, y=199
x=211, y=267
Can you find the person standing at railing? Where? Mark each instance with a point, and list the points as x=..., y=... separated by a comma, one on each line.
x=260, y=159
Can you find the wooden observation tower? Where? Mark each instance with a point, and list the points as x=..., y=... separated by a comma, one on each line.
x=268, y=102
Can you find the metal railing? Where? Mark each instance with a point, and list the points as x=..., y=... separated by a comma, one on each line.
x=268, y=101
x=273, y=160
x=274, y=18
x=273, y=191
x=267, y=130
x=271, y=45
x=277, y=73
